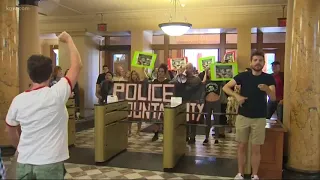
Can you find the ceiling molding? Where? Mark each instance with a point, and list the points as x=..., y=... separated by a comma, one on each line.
x=143, y=14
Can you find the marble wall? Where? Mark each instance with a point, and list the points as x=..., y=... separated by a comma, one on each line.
x=304, y=92
x=9, y=84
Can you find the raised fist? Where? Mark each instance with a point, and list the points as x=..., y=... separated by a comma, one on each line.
x=64, y=37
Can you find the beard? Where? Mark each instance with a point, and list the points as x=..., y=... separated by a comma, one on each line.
x=257, y=68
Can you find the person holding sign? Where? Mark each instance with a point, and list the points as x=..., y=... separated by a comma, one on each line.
x=134, y=78
x=161, y=79
x=251, y=119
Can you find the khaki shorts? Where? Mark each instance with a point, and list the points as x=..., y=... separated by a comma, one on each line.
x=250, y=126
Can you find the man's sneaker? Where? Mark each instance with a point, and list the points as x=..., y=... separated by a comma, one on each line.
x=205, y=142
x=254, y=177
x=238, y=176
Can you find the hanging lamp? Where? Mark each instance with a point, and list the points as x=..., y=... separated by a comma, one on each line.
x=175, y=28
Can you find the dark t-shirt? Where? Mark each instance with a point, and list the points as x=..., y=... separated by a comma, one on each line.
x=101, y=78
x=213, y=86
x=256, y=104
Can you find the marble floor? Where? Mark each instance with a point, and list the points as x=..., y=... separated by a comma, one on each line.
x=143, y=160
x=226, y=148
x=82, y=171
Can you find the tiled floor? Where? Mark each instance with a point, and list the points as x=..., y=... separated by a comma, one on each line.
x=142, y=144
x=226, y=148
x=79, y=171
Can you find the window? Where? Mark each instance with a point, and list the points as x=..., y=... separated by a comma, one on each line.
x=269, y=58
x=194, y=54
x=56, y=51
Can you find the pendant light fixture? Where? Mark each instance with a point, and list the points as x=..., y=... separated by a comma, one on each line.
x=174, y=27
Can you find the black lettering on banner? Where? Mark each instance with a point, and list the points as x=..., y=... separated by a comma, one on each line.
x=144, y=98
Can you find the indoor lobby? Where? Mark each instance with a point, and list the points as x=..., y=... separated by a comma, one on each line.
x=110, y=33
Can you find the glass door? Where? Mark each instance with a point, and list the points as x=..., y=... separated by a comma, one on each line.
x=121, y=59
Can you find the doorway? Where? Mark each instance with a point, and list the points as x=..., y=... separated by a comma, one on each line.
x=194, y=54
x=119, y=58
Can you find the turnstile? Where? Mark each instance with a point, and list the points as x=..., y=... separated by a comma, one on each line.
x=110, y=134
x=72, y=121
x=174, y=135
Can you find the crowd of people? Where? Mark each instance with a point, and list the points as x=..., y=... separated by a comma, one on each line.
x=255, y=86
x=37, y=118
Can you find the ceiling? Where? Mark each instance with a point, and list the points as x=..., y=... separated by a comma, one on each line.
x=91, y=7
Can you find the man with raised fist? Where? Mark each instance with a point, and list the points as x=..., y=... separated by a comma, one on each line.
x=41, y=112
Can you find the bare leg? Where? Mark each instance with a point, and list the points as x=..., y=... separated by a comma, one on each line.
x=129, y=128
x=241, y=157
x=139, y=127
x=255, y=159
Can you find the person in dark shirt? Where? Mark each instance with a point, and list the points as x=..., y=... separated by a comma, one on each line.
x=188, y=86
x=100, y=79
x=76, y=96
x=251, y=120
x=161, y=79
x=106, y=88
x=212, y=105
x=278, y=104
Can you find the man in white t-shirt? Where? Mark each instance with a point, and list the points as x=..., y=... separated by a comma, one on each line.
x=42, y=115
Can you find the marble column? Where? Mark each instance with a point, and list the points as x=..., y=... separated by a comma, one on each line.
x=9, y=79
x=140, y=41
x=29, y=38
x=244, y=47
x=304, y=142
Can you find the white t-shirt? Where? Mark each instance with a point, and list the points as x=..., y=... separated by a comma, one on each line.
x=43, y=118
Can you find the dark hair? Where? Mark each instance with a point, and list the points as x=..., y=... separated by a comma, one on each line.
x=109, y=73
x=275, y=63
x=55, y=72
x=39, y=68
x=138, y=77
x=164, y=67
x=257, y=53
x=66, y=72
x=104, y=66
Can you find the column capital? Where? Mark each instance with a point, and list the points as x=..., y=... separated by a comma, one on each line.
x=29, y=2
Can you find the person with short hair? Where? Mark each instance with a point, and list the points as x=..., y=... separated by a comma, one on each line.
x=100, y=79
x=106, y=88
x=278, y=104
x=251, y=120
x=119, y=75
x=41, y=113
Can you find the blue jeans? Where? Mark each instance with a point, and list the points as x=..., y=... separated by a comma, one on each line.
x=275, y=106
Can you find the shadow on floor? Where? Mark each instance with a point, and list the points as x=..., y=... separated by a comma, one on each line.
x=209, y=166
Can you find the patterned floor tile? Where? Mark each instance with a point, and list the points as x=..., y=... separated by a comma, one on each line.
x=226, y=148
